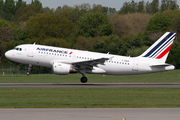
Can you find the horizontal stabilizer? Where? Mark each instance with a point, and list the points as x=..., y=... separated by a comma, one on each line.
x=160, y=64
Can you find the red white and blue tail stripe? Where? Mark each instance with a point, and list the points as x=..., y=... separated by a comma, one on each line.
x=160, y=49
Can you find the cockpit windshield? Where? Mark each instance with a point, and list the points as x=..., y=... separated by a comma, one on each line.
x=18, y=49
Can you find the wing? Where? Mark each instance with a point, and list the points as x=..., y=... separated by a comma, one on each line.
x=88, y=65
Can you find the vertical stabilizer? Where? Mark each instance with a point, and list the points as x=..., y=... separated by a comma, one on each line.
x=160, y=49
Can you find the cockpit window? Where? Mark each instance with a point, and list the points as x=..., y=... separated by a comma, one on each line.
x=18, y=49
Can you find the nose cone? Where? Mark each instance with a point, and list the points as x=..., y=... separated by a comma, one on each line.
x=8, y=54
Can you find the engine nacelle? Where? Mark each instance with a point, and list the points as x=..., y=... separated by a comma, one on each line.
x=61, y=69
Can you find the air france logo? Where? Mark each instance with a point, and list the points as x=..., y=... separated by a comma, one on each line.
x=53, y=50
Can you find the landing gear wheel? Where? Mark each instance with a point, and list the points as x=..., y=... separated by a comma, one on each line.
x=28, y=73
x=84, y=79
x=28, y=70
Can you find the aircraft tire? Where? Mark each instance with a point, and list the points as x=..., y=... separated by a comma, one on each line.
x=84, y=79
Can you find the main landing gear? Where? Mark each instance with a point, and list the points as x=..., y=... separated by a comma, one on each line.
x=29, y=69
x=84, y=78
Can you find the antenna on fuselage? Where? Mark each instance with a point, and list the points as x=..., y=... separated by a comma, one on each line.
x=34, y=43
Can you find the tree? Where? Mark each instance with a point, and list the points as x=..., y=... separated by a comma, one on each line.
x=174, y=55
x=141, y=7
x=125, y=8
x=82, y=43
x=136, y=51
x=112, y=11
x=106, y=44
x=9, y=9
x=132, y=7
x=129, y=24
x=19, y=4
x=23, y=13
x=47, y=25
x=48, y=10
x=85, y=7
x=94, y=24
x=58, y=42
x=3, y=23
x=6, y=34
x=174, y=16
x=154, y=6
x=158, y=23
x=36, y=3
x=148, y=7
x=168, y=4
x=1, y=9
x=72, y=14
x=176, y=25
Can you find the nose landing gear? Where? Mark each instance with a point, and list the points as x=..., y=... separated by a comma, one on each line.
x=28, y=70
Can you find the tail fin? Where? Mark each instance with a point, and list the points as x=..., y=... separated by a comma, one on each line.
x=160, y=49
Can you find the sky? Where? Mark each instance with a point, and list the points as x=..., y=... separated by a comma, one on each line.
x=108, y=3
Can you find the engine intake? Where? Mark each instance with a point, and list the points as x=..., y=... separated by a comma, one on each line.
x=61, y=69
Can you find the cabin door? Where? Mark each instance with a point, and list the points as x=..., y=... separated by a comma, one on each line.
x=135, y=65
x=30, y=51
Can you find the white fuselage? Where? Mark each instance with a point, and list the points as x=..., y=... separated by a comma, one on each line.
x=40, y=55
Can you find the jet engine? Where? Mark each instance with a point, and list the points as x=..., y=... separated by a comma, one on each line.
x=61, y=69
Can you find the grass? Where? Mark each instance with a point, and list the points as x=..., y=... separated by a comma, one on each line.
x=89, y=97
x=164, y=77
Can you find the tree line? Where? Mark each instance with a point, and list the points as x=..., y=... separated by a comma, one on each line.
x=129, y=31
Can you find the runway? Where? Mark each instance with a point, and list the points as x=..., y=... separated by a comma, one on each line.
x=106, y=85
x=90, y=114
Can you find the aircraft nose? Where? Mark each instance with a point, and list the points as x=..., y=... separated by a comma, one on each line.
x=8, y=54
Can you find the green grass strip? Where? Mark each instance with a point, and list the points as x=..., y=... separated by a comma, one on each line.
x=164, y=77
x=89, y=97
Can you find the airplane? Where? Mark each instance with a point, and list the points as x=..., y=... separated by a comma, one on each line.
x=64, y=61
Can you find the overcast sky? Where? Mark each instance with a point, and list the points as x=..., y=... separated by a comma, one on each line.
x=109, y=3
